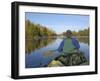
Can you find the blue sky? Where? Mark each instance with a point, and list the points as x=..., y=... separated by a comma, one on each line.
x=59, y=22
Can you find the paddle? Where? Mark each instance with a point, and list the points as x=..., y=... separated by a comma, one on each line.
x=48, y=53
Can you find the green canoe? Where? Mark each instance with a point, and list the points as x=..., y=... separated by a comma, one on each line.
x=71, y=59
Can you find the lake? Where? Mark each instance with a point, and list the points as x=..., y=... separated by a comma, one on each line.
x=35, y=50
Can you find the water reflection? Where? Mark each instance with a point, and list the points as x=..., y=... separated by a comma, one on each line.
x=83, y=39
x=32, y=45
x=36, y=49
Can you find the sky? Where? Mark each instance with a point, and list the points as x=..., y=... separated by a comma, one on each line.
x=59, y=22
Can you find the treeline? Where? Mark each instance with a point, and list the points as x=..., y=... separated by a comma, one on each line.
x=84, y=32
x=33, y=30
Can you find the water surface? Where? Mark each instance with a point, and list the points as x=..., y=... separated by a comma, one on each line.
x=35, y=50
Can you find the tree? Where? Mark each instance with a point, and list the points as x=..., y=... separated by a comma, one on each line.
x=33, y=30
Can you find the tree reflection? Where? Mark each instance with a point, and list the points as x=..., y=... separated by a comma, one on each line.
x=83, y=39
x=33, y=44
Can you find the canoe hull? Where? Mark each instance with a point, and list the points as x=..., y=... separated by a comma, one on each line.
x=69, y=60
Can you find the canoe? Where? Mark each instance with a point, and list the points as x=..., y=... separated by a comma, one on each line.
x=69, y=60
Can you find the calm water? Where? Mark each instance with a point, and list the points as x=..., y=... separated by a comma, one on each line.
x=35, y=50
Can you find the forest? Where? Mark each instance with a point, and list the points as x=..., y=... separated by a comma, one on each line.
x=33, y=30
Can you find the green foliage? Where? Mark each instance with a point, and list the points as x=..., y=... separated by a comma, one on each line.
x=36, y=30
x=41, y=36
x=37, y=34
x=84, y=32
